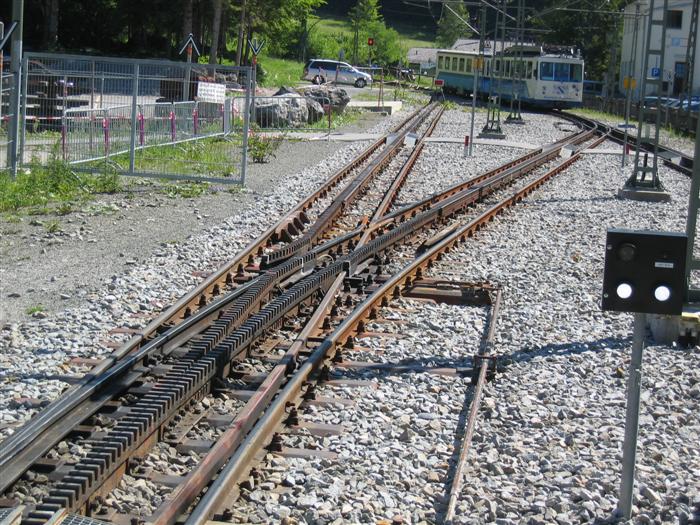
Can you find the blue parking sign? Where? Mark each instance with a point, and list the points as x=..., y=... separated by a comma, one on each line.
x=655, y=72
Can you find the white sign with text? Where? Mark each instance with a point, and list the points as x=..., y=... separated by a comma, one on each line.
x=211, y=92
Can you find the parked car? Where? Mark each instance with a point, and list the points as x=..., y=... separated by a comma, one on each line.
x=319, y=71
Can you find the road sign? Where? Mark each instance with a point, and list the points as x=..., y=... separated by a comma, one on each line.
x=189, y=46
x=655, y=72
x=370, y=41
x=256, y=45
x=439, y=82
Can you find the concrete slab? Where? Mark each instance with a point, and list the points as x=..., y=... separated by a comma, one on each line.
x=644, y=194
x=388, y=106
x=601, y=151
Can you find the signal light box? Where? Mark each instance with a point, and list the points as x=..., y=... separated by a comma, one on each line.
x=644, y=272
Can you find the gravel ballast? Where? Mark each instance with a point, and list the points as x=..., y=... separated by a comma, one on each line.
x=547, y=447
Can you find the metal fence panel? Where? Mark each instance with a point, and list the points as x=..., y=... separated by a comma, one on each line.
x=133, y=116
x=7, y=87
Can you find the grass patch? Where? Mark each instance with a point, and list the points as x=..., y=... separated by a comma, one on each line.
x=331, y=25
x=600, y=115
x=39, y=187
x=53, y=226
x=280, y=71
x=213, y=157
x=35, y=309
x=185, y=189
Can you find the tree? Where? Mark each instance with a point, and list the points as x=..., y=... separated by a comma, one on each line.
x=589, y=30
x=365, y=13
x=451, y=26
x=215, y=29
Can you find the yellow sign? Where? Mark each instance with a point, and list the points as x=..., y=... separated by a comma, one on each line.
x=629, y=83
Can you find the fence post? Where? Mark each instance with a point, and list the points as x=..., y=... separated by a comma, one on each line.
x=134, y=122
x=63, y=133
x=330, y=119
x=195, y=119
x=246, y=124
x=23, y=109
x=105, y=129
x=142, y=132
x=173, y=129
x=227, y=115
x=13, y=135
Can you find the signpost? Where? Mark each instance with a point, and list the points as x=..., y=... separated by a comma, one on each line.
x=188, y=47
x=255, y=46
x=644, y=273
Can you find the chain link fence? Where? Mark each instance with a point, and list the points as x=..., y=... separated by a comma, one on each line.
x=147, y=118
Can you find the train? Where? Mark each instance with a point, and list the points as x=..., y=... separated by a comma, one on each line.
x=552, y=78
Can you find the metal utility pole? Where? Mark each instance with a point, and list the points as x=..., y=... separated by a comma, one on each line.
x=693, y=263
x=16, y=71
x=690, y=60
x=492, y=129
x=477, y=65
x=645, y=175
x=629, y=449
x=612, y=70
x=514, y=116
x=630, y=82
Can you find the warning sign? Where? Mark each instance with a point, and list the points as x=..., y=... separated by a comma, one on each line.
x=211, y=92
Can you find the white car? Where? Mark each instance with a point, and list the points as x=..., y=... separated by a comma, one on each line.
x=319, y=71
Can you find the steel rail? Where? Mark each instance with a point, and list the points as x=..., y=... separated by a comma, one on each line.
x=345, y=198
x=207, y=357
x=39, y=426
x=221, y=452
x=456, y=484
x=678, y=160
x=262, y=431
x=100, y=462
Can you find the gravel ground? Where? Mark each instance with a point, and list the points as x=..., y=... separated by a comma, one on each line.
x=166, y=254
x=548, y=443
x=42, y=269
x=549, y=436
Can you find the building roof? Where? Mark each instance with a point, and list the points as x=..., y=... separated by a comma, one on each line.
x=422, y=55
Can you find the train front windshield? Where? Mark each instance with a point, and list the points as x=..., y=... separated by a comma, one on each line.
x=561, y=72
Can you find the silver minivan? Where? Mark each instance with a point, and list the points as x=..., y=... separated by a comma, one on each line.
x=319, y=71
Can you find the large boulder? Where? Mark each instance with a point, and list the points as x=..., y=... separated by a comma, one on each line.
x=315, y=110
x=337, y=97
x=288, y=110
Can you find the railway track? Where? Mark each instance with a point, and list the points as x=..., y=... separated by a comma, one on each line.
x=259, y=331
x=676, y=159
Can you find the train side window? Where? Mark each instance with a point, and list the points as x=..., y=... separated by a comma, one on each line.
x=547, y=71
x=529, y=69
x=454, y=63
x=507, y=74
x=576, y=73
x=461, y=64
x=440, y=62
x=469, y=65
x=488, y=68
x=496, y=68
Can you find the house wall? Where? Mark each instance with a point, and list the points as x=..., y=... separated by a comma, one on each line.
x=675, y=46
